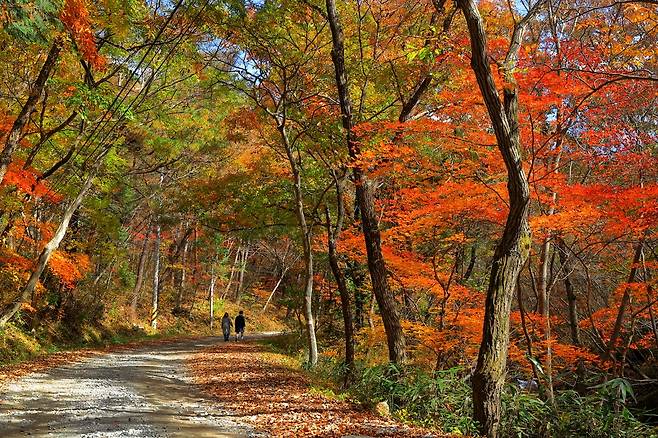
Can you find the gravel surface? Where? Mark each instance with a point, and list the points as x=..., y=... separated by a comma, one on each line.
x=144, y=392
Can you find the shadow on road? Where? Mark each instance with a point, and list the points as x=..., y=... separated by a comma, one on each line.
x=143, y=392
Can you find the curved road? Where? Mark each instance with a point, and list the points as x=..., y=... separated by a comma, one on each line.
x=145, y=392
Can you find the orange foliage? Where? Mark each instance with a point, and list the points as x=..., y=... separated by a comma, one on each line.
x=26, y=181
x=75, y=17
x=69, y=268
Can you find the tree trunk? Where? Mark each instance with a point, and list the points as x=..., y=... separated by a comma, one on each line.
x=359, y=297
x=512, y=251
x=542, y=283
x=543, y=307
x=308, y=304
x=211, y=297
x=524, y=326
x=307, y=240
x=230, y=278
x=345, y=297
x=47, y=251
x=364, y=194
x=14, y=134
x=544, y=289
x=371, y=312
x=471, y=265
x=543, y=302
x=243, y=267
x=572, y=299
x=626, y=297
x=276, y=286
x=181, y=278
x=346, y=306
x=140, y=276
x=156, y=279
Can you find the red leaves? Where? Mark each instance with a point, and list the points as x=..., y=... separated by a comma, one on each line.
x=26, y=181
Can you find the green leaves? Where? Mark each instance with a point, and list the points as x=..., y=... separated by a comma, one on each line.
x=31, y=21
x=616, y=390
x=85, y=99
x=422, y=54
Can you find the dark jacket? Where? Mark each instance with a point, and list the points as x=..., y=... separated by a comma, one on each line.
x=239, y=323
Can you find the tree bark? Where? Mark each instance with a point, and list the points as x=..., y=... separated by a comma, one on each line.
x=333, y=232
x=243, y=267
x=139, y=281
x=365, y=199
x=543, y=302
x=230, y=279
x=542, y=283
x=14, y=135
x=471, y=265
x=626, y=298
x=572, y=299
x=307, y=240
x=47, y=251
x=276, y=287
x=181, y=277
x=512, y=251
x=211, y=297
x=543, y=307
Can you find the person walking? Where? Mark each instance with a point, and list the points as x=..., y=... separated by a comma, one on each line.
x=226, y=326
x=240, y=324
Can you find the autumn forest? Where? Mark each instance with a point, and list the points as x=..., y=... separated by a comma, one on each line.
x=446, y=209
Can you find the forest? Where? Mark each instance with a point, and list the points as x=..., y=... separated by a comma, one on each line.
x=449, y=206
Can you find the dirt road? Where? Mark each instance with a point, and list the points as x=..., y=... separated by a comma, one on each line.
x=144, y=392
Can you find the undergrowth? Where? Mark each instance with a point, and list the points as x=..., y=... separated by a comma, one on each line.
x=442, y=400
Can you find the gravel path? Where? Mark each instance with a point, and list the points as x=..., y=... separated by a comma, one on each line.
x=144, y=392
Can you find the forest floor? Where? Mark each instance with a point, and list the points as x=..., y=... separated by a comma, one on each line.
x=192, y=387
x=263, y=389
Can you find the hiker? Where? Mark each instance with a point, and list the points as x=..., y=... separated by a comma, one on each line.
x=226, y=326
x=239, y=326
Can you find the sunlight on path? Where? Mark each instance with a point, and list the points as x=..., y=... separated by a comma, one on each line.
x=140, y=393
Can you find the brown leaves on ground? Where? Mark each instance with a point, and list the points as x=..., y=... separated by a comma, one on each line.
x=277, y=399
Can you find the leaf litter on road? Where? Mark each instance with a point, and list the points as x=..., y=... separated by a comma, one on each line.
x=277, y=399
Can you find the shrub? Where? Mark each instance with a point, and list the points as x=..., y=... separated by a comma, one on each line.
x=601, y=414
x=442, y=400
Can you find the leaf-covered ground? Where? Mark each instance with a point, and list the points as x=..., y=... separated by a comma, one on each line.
x=248, y=381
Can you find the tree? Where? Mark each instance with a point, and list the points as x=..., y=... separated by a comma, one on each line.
x=369, y=221
x=512, y=251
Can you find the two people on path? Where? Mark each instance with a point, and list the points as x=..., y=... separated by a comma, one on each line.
x=227, y=324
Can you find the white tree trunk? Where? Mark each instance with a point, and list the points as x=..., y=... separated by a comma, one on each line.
x=211, y=298
x=50, y=247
